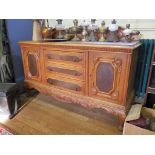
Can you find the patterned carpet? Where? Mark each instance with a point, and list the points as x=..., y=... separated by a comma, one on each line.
x=5, y=131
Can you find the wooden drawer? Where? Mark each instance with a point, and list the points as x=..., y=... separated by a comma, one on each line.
x=66, y=84
x=64, y=70
x=65, y=56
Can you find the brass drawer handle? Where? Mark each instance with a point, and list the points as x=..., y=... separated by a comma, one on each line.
x=76, y=59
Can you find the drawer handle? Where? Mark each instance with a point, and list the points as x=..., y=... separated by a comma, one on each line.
x=76, y=59
x=49, y=68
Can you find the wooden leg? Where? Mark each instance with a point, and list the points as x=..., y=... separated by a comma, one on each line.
x=121, y=119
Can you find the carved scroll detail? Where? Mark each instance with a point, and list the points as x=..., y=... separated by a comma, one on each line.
x=118, y=64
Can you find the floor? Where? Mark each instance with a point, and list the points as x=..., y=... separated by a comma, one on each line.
x=43, y=115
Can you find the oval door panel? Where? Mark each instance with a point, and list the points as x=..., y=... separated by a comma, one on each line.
x=104, y=77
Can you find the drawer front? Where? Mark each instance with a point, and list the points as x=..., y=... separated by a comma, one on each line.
x=66, y=84
x=71, y=57
x=64, y=70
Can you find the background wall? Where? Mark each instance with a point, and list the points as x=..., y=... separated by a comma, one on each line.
x=18, y=30
x=145, y=26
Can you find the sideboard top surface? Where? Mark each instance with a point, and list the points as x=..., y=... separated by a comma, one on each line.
x=86, y=45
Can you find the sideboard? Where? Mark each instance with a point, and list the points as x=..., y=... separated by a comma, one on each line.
x=89, y=74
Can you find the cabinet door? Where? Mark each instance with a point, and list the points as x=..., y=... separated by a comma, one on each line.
x=31, y=62
x=107, y=75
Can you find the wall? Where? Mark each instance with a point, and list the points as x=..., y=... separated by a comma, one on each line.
x=145, y=26
x=18, y=30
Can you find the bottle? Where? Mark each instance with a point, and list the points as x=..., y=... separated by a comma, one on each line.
x=36, y=30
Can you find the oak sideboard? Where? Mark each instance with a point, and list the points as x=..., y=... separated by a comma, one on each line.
x=89, y=74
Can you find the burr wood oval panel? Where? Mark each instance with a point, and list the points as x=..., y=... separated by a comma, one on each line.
x=104, y=77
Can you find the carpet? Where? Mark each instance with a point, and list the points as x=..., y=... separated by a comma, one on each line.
x=5, y=131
